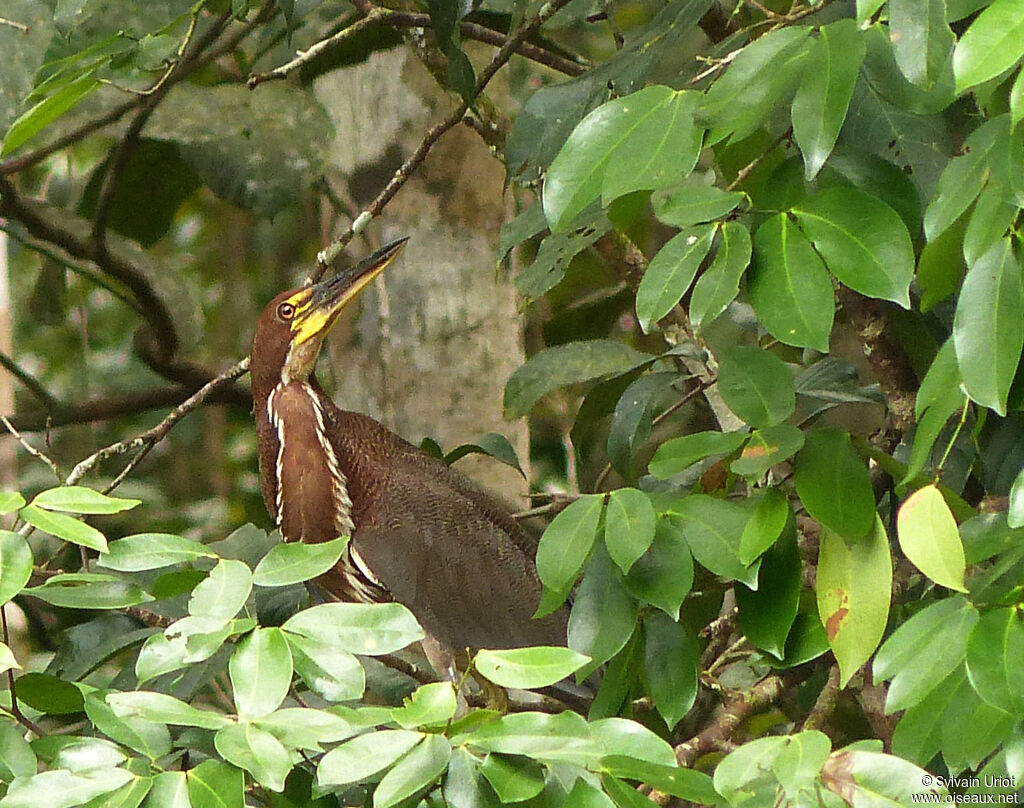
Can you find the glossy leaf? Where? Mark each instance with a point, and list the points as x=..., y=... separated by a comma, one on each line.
x=632, y=419
x=766, y=614
x=994, y=212
x=819, y=107
x=628, y=526
x=10, y=501
x=64, y=527
x=567, y=541
x=993, y=43
x=756, y=385
x=330, y=672
x=293, y=562
x=663, y=575
x=994, y=650
x=670, y=273
x=257, y=751
x=922, y=42
x=493, y=444
x=213, y=784
x=529, y=667
x=77, y=499
x=854, y=586
x=988, y=332
x=873, y=778
x=83, y=590
x=679, y=454
x=306, y=728
x=261, y=672
x=671, y=659
x=922, y=652
x=563, y=365
x=431, y=704
x=718, y=286
x=864, y=242
x=61, y=788
x=564, y=737
x=834, y=484
x=655, y=122
x=147, y=551
x=513, y=778
x=767, y=447
x=687, y=784
x=764, y=525
x=48, y=694
x=163, y=709
x=1014, y=513
x=359, y=628
x=15, y=564
x=603, y=612
x=365, y=756
x=713, y=529
x=16, y=756
x=45, y=112
x=929, y=537
x=693, y=204
x=413, y=773
x=223, y=593
x=789, y=286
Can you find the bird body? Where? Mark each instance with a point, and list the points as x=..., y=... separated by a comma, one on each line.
x=422, y=534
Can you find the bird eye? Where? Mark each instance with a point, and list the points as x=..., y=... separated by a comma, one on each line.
x=286, y=311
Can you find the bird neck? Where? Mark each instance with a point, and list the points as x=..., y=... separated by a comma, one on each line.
x=311, y=495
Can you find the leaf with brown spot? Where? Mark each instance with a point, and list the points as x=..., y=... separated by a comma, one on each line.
x=835, y=621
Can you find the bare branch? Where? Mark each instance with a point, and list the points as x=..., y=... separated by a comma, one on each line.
x=31, y=383
x=32, y=450
x=11, y=23
x=15, y=709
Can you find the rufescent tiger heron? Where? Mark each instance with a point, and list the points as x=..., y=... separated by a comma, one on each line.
x=421, y=533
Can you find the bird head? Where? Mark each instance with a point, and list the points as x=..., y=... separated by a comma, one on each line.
x=293, y=326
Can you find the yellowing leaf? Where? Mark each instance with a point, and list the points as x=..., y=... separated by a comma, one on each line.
x=929, y=538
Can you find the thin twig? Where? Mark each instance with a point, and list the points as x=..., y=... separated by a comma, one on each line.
x=15, y=709
x=746, y=171
x=19, y=25
x=31, y=383
x=146, y=440
x=327, y=256
x=32, y=450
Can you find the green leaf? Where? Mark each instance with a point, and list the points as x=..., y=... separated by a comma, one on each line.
x=10, y=501
x=1014, y=513
x=766, y=614
x=292, y=562
x=876, y=779
x=83, y=590
x=713, y=529
x=693, y=204
x=988, y=332
x=994, y=650
x=163, y=709
x=257, y=751
x=663, y=576
x=994, y=212
x=493, y=444
x=16, y=756
x=61, y=788
x=864, y=242
x=529, y=667
x=656, y=122
x=854, y=587
x=563, y=365
x=7, y=660
x=15, y=564
x=628, y=526
x=789, y=286
x=413, y=773
x=633, y=418
x=964, y=176
x=465, y=786
x=623, y=794
x=567, y=541
x=972, y=728
x=929, y=538
x=718, y=286
x=687, y=784
x=76, y=499
x=306, y=728
x=756, y=385
x=34, y=120
x=365, y=755
x=148, y=551
x=922, y=652
x=150, y=739
x=561, y=738
x=921, y=40
x=169, y=790
x=765, y=524
x=330, y=672
x=671, y=659
x=819, y=107
x=223, y=593
x=767, y=447
x=431, y=704
x=48, y=694
x=261, y=672
x=603, y=613
x=993, y=43
x=670, y=273
x=834, y=484
x=359, y=628
x=584, y=795
x=513, y=778
x=213, y=784
x=64, y=527
x=918, y=735
x=679, y=454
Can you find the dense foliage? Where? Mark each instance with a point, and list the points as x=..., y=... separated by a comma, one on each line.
x=778, y=313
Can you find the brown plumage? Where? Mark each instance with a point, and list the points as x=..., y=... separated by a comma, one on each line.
x=422, y=533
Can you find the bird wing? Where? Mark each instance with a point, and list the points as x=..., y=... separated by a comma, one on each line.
x=450, y=553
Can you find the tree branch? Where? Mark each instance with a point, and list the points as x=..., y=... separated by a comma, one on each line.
x=31, y=383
